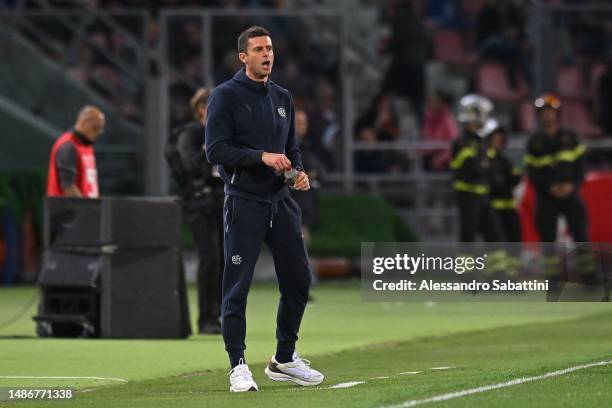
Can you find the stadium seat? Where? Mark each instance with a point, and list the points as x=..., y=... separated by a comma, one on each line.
x=574, y=114
x=527, y=117
x=448, y=47
x=570, y=83
x=492, y=82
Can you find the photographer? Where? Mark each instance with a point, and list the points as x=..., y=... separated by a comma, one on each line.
x=202, y=191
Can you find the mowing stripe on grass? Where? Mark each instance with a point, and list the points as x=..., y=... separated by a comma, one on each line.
x=19, y=377
x=411, y=372
x=440, y=368
x=517, y=381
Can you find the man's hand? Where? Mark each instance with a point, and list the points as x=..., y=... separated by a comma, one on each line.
x=301, y=182
x=277, y=161
x=555, y=190
x=566, y=189
x=72, y=191
x=561, y=190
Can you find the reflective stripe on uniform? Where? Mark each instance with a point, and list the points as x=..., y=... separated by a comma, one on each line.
x=570, y=155
x=481, y=189
x=497, y=262
x=462, y=156
x=503, y=203
x=550, y=159
x=542, y=161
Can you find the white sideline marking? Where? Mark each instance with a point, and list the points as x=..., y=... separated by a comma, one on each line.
x=440, y=368
x=347, y=384
x=19, y=377
x=378, y=378
x=485, y=388
x=411, y=372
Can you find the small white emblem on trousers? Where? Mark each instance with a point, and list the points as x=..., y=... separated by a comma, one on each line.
x=281, y=111
x=236, y=259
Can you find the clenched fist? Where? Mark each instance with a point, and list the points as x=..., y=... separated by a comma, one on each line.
x=301, y=182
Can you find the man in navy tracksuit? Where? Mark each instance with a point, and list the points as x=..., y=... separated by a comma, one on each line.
x=250, y=134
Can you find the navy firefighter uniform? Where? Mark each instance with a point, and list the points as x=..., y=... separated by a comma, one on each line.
x=245, y=119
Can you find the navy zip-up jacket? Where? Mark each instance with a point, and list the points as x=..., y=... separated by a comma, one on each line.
x=246, y=118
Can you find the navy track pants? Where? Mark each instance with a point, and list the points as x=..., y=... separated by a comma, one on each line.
x=248, y=224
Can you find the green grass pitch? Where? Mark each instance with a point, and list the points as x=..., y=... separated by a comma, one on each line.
x=389, y=348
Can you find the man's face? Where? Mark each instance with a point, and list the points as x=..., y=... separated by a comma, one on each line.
x=367, y=135
x=259, y=56
x=497, y=141
x=96, y=128
x=548, y=116
x=202, y=112
x=473, y=127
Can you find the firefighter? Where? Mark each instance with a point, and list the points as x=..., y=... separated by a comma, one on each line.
x=470, y=165
x=503, y=178
x=555, y=163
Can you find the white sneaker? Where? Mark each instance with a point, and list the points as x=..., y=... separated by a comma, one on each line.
x=241, y=379
x=298, y=371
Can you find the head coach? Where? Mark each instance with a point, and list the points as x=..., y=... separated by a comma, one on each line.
x=72, y=165
x=250, y=134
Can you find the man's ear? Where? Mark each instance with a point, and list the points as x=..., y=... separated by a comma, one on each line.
x=242, y=57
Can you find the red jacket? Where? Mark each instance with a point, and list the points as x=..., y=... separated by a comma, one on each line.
x=87, y=173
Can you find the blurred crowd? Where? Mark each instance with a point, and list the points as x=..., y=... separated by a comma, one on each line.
x=484, y=41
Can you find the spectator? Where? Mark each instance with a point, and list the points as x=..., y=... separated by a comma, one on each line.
x=409, y=47
x=500, y=36
x=369, y=161
x=439, y=125
x=381, y=117
x=325, y=124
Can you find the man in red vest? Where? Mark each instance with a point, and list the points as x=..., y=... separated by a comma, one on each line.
x=72, y=165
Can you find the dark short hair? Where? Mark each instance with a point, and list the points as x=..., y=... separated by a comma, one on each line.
x=251, y=32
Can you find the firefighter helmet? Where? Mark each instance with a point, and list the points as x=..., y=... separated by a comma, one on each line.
x=490, y=127
x=548, y=101
x=474, y=109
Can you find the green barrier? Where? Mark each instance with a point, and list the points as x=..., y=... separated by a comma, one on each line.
x=345, y=222
x=348, y=220
x=21, y=207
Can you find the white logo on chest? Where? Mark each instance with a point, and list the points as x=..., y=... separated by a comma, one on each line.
x=281, y=111
x=236, y=259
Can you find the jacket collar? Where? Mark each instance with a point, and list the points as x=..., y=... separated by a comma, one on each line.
x=261, y=87
x=81, y=137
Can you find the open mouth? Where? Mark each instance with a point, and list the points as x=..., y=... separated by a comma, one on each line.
x=266, y=64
